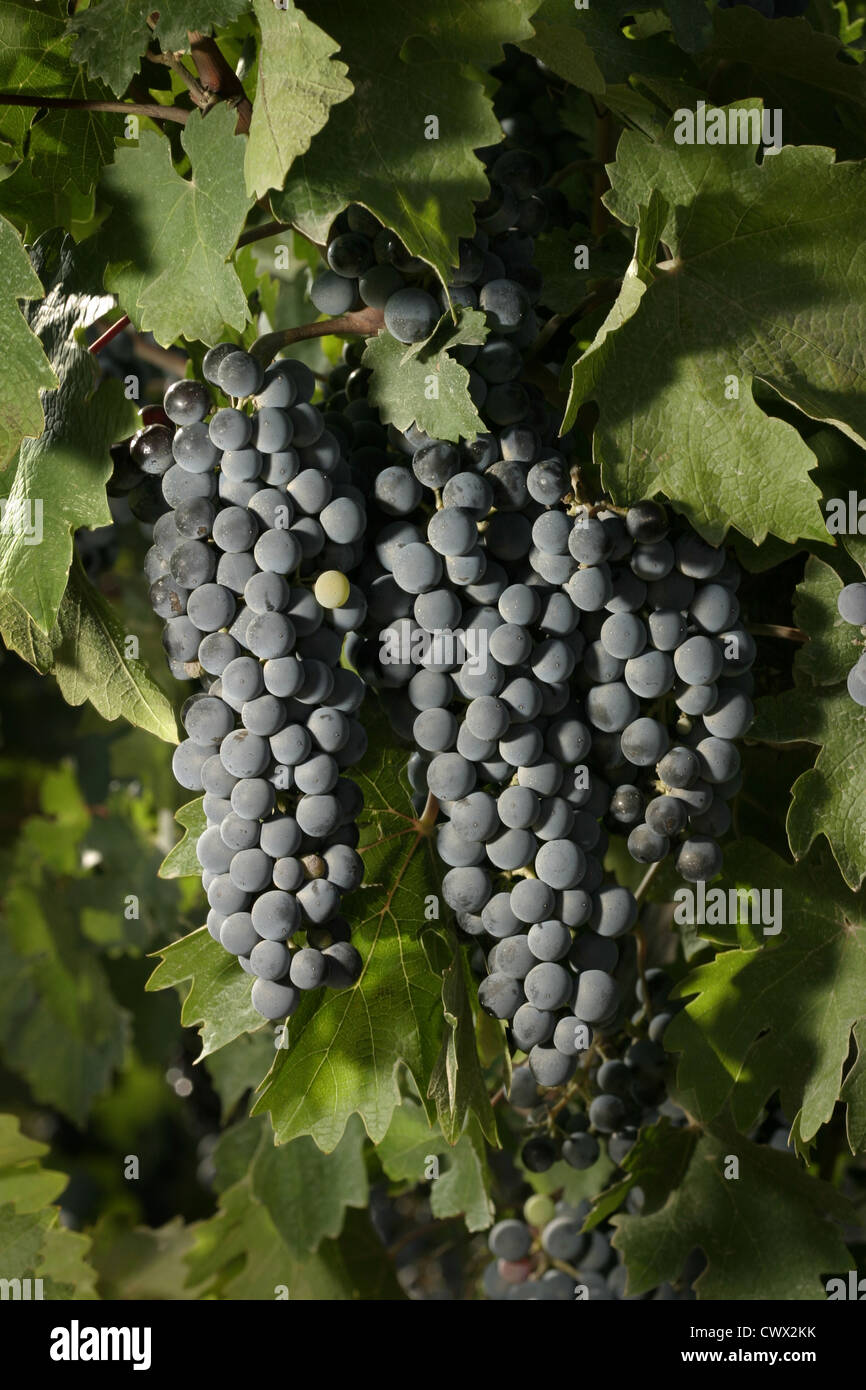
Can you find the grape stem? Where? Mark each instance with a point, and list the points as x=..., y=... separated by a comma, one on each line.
x=641, y=969
x=140, y=108
x=110, y=333
x=647, y=880
x=261, y=232
x=790, y=634
x=364, y=322
x=197, y=92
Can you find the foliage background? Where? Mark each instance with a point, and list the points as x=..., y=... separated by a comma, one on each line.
x=764, y=279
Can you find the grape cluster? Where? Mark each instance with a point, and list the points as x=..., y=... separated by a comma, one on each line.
x=852, y=608
x=550, y=662
x=544, y=1255
x=259, y=524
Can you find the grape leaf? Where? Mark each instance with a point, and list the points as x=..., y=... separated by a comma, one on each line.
x=457, y=1083
x=830, y=798
x=765, y=1233
x=32, y=1243
x=239, y=1067
x=183, y=860
x=299, y=81
x=462, y=1189
x=178, y=17
x=73, y=144
x=305, y=1192
x=775, y=1013
x=110, y=39
x=749, y=244
x=34, y=57
x=565, y=286
x=85, y=652
x=355, y=1267
x=344, y=1052
x=373, y=149
x=60, y=1027
x=219, y=996
x=853, y=1095
x=423, y=383
x=589, y=49
x=25, y=368
x=142, y=1263
x=790, y=49
x=169, y=238
x=58, y=482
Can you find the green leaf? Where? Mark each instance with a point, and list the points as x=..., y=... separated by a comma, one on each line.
x=58, y=482
x=790, y=49
x=834, y=645
x=142, y=1263
x=733, y=302
x=299, y=82
x=344, y=1052
x=565, y=287
x=73, y=145
x=589, y=49
x=85, y=652
x=765, y=1233
x=169, y=238
x=239, y=1254
x=404, y=381
x=853, y=1095
x=110, y=39
x=239, y=1067
x=61, y=1028
x=373, y=149
x=776, y=1015
x=219, y=996
x=178, y=17
x=24, y=368
x=183, y=860
x=457, y=1084
x=34, y=58
x=829, y=799
x=305, y=1192
x=23, y=1180
x=462, y=1189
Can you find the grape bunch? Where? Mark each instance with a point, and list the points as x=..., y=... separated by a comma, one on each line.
x=258, y=527
x=544, y=1255
x=851, y=604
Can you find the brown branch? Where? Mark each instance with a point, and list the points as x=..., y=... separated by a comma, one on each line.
x=143, y=108
x=261, y=232
x=109, y=334
x=361, y=321
x=201, y=98
x=790, y=634
x=217, y=75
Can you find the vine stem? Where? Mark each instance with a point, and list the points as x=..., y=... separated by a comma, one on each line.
x=201, y=98
x=139, y=108
x=790, y=634
x=217, y=76
x=110, y=333
x=647, y=880
x=641, y=969
x=364, y=322
x=261, y=232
